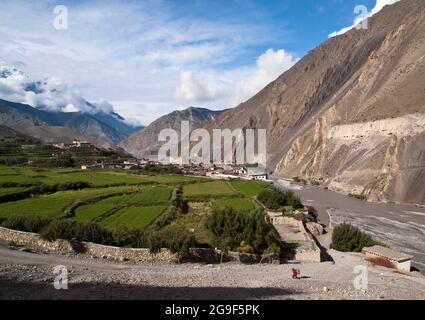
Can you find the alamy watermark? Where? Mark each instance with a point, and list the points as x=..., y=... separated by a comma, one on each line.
x=362, y=18
x=361, y=281
x=61, y=280
x=60, y=20
x=227, y=146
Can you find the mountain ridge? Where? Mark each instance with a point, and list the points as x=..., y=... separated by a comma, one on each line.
x=100, y=127
x=357, y=78
x=144, y=143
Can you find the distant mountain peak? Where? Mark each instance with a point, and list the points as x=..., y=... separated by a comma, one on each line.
x=144, y=143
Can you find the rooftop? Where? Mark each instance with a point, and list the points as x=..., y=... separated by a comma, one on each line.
x=388, y=253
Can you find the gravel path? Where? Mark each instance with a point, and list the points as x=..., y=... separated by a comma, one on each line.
x=25, y=275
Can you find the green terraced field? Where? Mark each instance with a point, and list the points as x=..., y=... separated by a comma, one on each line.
x=249, y=188
x=10, y=190
x=135, y=206
x=148, y=196
x=55, y=204
x=213, y=188
x=89, y=213
x=133, y=217
x=55, y=176
x=237, y=203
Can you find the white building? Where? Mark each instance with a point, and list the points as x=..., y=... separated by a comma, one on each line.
x=257, y=174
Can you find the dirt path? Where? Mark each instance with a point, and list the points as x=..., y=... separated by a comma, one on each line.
x=26, y=275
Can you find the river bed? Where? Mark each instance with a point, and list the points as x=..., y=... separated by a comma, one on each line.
x=401, y=226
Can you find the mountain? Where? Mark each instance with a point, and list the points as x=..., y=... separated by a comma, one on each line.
x=144, y=143
x=55, y=103
x=351, y=113
x=9, y=135
x=106, y=128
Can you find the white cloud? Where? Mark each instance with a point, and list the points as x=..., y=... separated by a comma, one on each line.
x=193, y=90
x=136, y=53
x=270, y=65
x=380, y=4
x=51, y=94
x=236, y=85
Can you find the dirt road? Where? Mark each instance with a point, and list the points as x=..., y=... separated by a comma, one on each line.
x=25, y=275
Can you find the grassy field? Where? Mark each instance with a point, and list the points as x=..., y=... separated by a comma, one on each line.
x=147, y=196
x=10, y=190
x=213, y=188
x=53, y=205
x=97, y=178
x=249, y=188
x=136, y=205
x=133, y=217
x=237, y=203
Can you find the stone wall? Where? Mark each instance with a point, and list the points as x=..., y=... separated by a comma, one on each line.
x=34, y=241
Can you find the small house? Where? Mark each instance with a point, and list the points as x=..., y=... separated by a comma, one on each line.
x=400, y=261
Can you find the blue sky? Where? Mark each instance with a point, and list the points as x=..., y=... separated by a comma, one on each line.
x=148, y=58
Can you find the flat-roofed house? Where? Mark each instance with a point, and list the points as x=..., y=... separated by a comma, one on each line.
x=398, y=260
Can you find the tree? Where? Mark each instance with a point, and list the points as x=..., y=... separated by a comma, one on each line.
x=178, y=239
x=229, y=228
x=347, y=238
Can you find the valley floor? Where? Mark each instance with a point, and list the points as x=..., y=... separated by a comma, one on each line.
x=25, y=275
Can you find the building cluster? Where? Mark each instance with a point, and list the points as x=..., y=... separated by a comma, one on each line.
x=74, y=144
x=223, y=171
x=226, y=171
x=118, y=164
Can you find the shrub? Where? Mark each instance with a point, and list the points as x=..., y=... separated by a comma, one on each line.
x=347, y=238
x=133, y=238
x=228, y=228
x=72, y=230
x=178, y=239
x=245, y=248
x=155, y=242
x=27, y=223
x=181, y=204
x=274, y=198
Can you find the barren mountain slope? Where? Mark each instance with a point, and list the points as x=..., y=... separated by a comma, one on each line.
x=351, y=112
x=145, y=142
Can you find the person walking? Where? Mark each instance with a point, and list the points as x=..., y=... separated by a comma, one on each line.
x=296, y=273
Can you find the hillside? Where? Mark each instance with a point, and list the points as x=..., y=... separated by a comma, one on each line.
x=350, y=113
x=145, y=142
x=101, y=127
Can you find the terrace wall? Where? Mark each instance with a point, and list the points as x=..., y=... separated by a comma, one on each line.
x=34, y=241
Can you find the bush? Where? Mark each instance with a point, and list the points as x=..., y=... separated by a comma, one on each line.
x=275, y=199
x=133, y=238
x=72, y=230
x=181, y=204
x=27, y=223
x=178, y=239
x=155, y=242
x=347, y=238
x=228, y=228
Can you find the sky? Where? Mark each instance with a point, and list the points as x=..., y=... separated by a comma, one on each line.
x=148, y=58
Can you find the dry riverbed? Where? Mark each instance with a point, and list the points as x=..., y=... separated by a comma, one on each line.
x=25, y=275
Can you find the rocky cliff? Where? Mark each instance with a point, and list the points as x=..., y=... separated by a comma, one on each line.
x=351, y=113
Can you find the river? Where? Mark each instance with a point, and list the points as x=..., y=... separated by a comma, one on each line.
x=401, y=226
